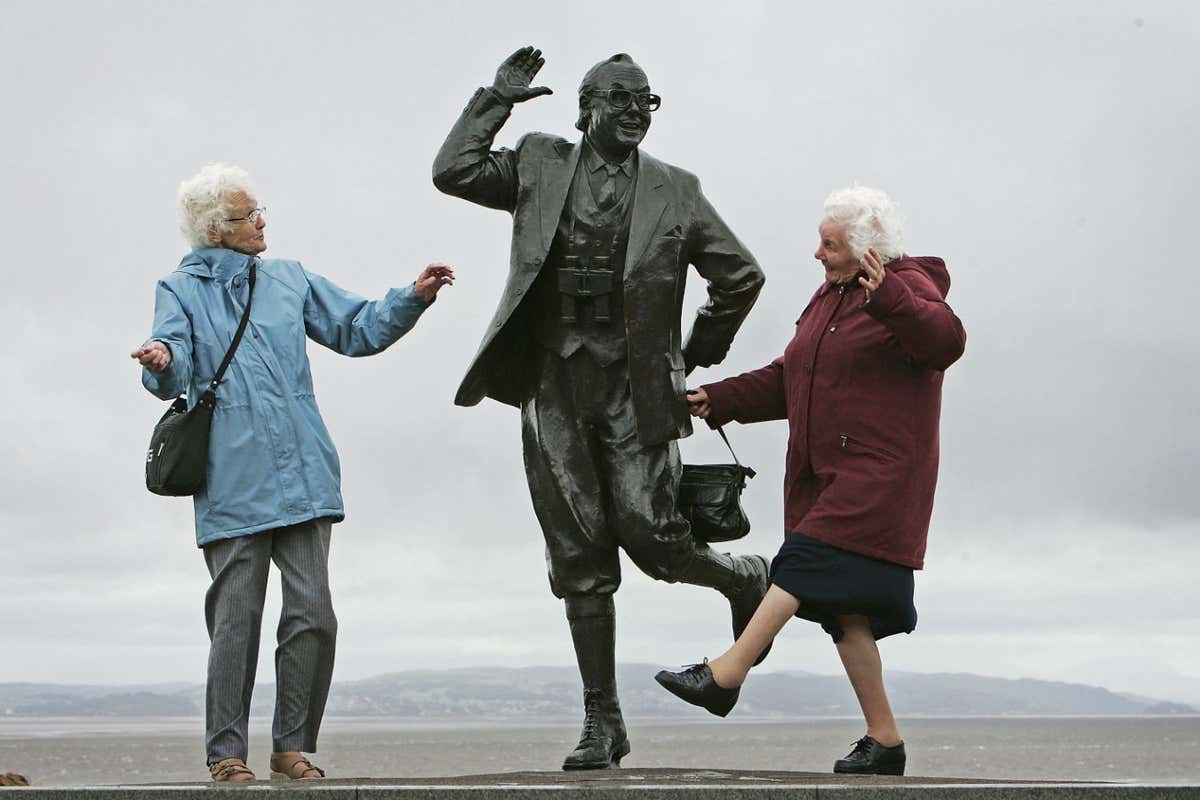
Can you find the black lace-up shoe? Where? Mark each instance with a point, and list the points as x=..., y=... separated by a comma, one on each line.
x=697, y=686
x=603, y=742
x=869, y=757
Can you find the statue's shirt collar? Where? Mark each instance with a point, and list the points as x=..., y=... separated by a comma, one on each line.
x=595, y=163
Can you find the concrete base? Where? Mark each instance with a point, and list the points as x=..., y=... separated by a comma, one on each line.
x=627, y=784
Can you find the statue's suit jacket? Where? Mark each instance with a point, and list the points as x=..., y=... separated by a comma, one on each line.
x=672, y=225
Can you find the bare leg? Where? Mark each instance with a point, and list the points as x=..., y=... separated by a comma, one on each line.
x=731, y=667
x=860, y=658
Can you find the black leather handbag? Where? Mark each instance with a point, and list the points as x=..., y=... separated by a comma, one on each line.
x=710, y=498
x=177, y=461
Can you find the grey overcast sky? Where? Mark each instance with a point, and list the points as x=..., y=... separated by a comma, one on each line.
x=1045, y=150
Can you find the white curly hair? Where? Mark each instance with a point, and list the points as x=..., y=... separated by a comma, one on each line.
x=870, y=220
x=204, y=200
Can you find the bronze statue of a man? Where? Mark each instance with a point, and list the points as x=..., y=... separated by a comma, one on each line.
x=587, y=343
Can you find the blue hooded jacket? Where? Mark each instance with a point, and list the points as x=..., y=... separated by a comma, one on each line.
x=271, y=462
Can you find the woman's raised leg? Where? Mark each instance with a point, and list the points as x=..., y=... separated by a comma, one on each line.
x=731, y=667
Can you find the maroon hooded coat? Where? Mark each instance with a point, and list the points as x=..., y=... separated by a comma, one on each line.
x=861, y=388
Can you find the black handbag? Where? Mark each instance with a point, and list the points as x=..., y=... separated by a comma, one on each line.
x=177, y=460
x=710, y=498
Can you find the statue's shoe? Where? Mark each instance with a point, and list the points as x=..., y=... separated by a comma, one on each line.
x=697, y=686
x=869, y=757
x=597, y=752
x=603, y=742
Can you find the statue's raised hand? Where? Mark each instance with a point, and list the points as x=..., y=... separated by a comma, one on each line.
x=516, y=73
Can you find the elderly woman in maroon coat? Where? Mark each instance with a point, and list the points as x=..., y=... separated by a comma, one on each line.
x=860, y=385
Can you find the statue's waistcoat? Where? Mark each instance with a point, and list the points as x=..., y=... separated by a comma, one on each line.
x=579, y=293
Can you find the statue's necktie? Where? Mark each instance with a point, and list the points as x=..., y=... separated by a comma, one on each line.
x=608, y=189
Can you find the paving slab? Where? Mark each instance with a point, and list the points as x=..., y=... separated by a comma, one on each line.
x=626, y=784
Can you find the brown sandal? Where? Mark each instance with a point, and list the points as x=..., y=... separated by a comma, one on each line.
x=225, y=769
x=296, y=771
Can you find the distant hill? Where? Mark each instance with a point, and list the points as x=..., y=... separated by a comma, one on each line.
x=553, y=693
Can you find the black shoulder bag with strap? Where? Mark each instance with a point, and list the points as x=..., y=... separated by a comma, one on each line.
x=177, y=460
x=710, y=498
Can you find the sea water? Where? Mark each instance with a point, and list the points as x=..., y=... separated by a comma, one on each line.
x=145, y=750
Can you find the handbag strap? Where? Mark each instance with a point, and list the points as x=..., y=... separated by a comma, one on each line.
x=237, y=337
x=725, y=439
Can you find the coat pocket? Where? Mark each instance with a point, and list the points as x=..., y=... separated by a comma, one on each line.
x=851, y=445
x=663, y=252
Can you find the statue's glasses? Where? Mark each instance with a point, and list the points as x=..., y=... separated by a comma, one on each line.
x=252, y=217
x=621, y=98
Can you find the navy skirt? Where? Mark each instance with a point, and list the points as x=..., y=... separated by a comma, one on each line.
x=830, y=582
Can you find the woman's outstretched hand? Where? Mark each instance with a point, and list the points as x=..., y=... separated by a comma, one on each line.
x=155, y=356
x=431, y=279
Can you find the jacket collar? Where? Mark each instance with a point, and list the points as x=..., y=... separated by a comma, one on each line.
x=557, y=169
x=829, y=286
x=214, y=262
x=649, y=202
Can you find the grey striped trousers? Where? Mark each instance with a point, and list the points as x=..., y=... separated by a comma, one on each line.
x=306, y=637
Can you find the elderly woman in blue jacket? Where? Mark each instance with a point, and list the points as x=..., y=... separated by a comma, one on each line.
x=273, y=487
